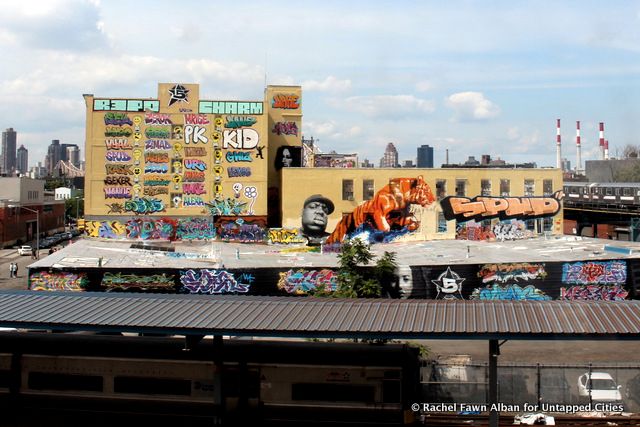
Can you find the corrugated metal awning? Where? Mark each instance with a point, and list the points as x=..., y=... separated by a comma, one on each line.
x=319, y=317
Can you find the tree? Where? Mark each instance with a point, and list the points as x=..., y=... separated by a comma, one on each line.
x=355, y=282
x=631, y=151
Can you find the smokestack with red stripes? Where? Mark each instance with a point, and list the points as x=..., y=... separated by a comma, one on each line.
x=558, y=146
x=606, y=149
x=578, y=149
x=602, y=139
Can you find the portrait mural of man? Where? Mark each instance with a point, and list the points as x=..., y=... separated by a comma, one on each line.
x=315, y=215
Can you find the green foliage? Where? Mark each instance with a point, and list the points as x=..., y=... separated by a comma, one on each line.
x=53, y=183
x=423, y=350
x=352, y=282
x=73, y=205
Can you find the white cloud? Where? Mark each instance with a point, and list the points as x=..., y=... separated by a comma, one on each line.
x=424, y=86
x=68, y=25
x=378, y=106
x=319, y=128
x=470, y=106
x=330, y=84
x=93, y=73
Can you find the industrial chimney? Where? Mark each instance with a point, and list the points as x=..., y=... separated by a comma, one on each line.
x=558, y=146
x=606, y=149
x=578, y=149
x=602, y=140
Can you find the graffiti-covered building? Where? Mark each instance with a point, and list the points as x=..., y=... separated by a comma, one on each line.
x=163, y=167
x=428, y=204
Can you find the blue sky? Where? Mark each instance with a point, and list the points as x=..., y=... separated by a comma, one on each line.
x=476, y=77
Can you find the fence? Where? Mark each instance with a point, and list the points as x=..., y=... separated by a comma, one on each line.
x=520, y=383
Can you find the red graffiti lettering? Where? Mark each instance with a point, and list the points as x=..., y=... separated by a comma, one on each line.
x=196, y=119
x=286, y=101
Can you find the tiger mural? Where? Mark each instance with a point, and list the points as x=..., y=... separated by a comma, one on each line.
x=388, y=209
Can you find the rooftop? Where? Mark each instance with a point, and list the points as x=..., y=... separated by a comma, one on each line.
x=89, y=253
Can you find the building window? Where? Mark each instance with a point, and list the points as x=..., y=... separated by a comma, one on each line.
x=347, y=189
x=547, y=187
x=547, y=223
x=441, y=224
x=441, y=189
x=485, y=187
x=461, y=187
x=367, y=189
x=505, y=187
x=529, y=187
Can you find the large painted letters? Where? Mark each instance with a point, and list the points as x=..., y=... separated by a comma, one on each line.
x=480, y=207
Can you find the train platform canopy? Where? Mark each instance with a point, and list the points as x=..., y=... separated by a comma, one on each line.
x=259, y=316
x=114, y=254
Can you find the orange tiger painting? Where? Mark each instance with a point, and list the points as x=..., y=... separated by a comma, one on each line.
x=388, y=209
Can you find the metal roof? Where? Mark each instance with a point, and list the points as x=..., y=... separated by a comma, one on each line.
x=319, y=317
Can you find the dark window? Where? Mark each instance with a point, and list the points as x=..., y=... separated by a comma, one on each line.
x=238, y=383
x=140, y=385
x=461, y=187
x=547, y=187
x=367, y=189
x=485, y=187
x=529, y=187
x=333, y=392
x=5, y=378
x=441, y=188
x=347, y=189
x=50, y=381
x=505, y=187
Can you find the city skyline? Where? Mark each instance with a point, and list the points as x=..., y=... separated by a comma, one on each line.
x=471, y=78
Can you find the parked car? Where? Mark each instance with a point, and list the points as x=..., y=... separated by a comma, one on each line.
x=601, y=386
x=24, y=250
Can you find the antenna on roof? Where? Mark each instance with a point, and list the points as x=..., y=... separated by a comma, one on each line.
x=266, y=55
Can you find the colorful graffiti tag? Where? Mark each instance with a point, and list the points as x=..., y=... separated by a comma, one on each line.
x=143, y=205
x=150, y=229
x=481, y=207
x=241, y=230
x=105, y=229
x=594, y=293
x=195, y=229
x=300, y=282
x=285, y=236
x=139, y=283
x=58, y=281
x=502, y=273
x=228, y=206
x=594, y=272
x=509, y=292
x=207, y=281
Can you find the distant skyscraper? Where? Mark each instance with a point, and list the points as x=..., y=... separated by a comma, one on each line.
x=425, y=156
x=73, y=155
x=390, y=159
x=22, y=160
x=64, y=151
x=54, y=155
x=9, y=138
